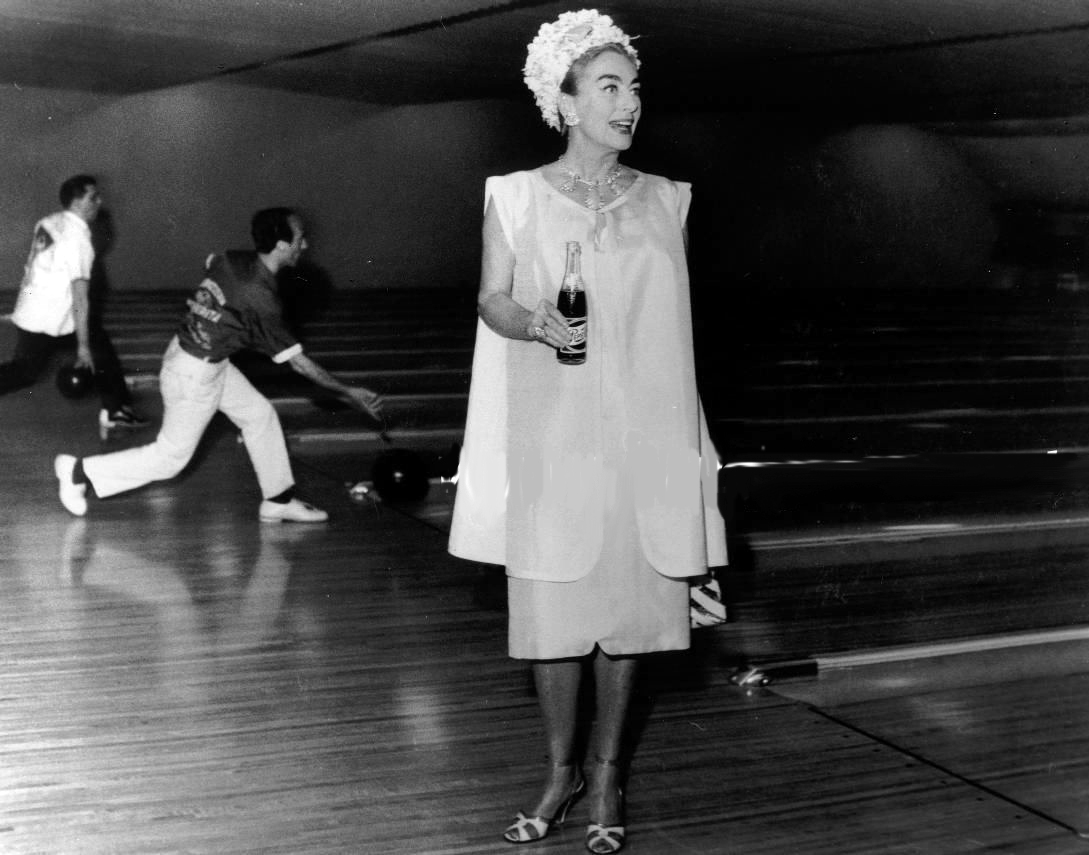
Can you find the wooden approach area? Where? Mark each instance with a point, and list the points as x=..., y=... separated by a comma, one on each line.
x=180, y=678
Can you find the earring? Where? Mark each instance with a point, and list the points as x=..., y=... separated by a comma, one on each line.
x=571, y=119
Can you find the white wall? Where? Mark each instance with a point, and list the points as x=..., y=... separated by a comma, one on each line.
x=386, y=191
x=393, y=195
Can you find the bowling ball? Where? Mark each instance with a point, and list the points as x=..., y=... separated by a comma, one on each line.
x=399, y=475
x=73, y=382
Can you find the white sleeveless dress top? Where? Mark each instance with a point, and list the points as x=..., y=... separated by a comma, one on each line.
x=541, y=437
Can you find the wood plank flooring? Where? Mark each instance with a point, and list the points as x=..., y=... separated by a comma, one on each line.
x=178, y=678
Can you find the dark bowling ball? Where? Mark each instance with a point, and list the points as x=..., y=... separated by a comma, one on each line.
x=73, y=382
x=399, y=475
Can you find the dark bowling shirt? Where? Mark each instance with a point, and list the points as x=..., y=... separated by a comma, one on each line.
x=236, y=308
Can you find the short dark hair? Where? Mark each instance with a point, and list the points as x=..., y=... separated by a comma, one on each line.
x=271, y=225
x=75, y=188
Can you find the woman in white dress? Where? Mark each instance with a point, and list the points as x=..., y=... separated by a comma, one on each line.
x=594, y=484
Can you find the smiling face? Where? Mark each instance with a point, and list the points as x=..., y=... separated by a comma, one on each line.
x=606, y=100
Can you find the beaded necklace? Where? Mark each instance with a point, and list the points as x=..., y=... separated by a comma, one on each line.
x=593, y=187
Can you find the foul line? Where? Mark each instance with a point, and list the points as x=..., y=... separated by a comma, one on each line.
x=945, y=770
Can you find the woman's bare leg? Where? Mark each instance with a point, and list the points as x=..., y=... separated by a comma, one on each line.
x=614, y=679
x=557, y=692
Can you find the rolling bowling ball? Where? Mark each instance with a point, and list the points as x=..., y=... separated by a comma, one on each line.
x=399, y=475
x=73, y=382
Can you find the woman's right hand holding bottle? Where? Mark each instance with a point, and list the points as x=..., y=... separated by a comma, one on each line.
x=547, y=325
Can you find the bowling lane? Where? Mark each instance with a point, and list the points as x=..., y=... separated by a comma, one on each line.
x=831, y=589
x=1011, y=721
x=957, y=552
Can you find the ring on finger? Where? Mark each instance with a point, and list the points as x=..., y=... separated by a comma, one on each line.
x=538, y=332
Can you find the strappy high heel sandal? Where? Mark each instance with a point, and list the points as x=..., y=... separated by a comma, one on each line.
x=604, y=839
x=527, y=829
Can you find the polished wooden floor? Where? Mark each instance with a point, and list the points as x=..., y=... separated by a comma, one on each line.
x=179, y=678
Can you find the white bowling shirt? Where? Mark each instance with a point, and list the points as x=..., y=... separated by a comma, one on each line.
x=60, y=254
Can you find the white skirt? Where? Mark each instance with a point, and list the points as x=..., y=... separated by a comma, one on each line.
x=623, y=604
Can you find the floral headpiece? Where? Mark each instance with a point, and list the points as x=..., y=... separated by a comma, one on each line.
x=559, y=44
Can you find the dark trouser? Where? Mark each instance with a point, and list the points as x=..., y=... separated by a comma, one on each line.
x=31, y=358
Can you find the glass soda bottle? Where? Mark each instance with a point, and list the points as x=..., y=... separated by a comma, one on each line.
x=572, y=305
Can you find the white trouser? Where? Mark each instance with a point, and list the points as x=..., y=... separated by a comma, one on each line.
x=193, y=391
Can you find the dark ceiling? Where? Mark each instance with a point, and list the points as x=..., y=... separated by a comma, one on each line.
x=1000, y=65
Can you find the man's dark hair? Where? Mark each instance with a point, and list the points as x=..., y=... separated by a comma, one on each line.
x=75, y=188
x=270, y=226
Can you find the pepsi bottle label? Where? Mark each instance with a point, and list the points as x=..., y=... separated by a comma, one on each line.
x=576, y=331
x=572, y=305
x=574, y=353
